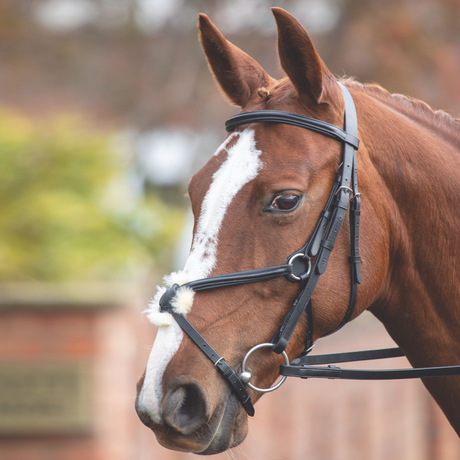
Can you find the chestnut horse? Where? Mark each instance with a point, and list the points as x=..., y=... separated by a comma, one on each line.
x=259, y=198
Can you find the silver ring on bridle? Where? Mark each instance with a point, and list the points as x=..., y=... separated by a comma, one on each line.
x=246, y=375
x=290, y=261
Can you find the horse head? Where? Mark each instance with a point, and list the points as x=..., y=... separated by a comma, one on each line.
x=255, y=202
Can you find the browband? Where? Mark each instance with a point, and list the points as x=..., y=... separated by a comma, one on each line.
x=288, y=118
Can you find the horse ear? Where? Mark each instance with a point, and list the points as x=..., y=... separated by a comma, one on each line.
x=301, y=62
x=237, y=74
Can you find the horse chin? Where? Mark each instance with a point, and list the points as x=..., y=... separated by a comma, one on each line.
x=232, y=429
x=226, y=429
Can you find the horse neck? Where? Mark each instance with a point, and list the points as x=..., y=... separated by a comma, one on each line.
x=418, y=192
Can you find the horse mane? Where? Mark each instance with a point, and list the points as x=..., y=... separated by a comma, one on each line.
x=437, y=121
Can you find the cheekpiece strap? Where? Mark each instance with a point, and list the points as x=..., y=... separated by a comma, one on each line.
x=325, y=234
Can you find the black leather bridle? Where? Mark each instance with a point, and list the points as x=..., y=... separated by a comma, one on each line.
x=299, y=268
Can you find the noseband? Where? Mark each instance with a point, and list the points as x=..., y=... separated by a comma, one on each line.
x=305, y=266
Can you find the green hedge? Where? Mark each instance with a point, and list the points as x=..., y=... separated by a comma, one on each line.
x=67, y=211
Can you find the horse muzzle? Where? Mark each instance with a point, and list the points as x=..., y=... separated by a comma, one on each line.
x=187, y=423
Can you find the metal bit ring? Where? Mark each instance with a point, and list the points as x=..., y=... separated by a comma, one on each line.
x=246, y=375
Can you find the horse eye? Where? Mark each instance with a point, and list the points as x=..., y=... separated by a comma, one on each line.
x=285, y=202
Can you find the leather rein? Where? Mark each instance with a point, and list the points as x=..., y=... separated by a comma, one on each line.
x=299, y=268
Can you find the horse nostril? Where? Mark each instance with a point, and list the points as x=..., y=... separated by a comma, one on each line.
x=185, y=408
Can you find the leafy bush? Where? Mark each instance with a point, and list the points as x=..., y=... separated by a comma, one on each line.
x=67, y=210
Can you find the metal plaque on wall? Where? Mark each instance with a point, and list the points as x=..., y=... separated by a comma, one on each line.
x=44, y=399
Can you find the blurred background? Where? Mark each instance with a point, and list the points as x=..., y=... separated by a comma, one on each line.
x=106, y=109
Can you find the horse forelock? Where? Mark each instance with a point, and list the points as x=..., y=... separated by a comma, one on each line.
x=282, y=95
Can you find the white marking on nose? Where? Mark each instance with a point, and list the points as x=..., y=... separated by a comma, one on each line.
x=242, y=165
x=167, y=342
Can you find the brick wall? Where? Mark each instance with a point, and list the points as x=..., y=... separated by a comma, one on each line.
x=91, y=329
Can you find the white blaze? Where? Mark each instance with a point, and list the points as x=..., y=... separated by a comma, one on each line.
x=240, y=167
